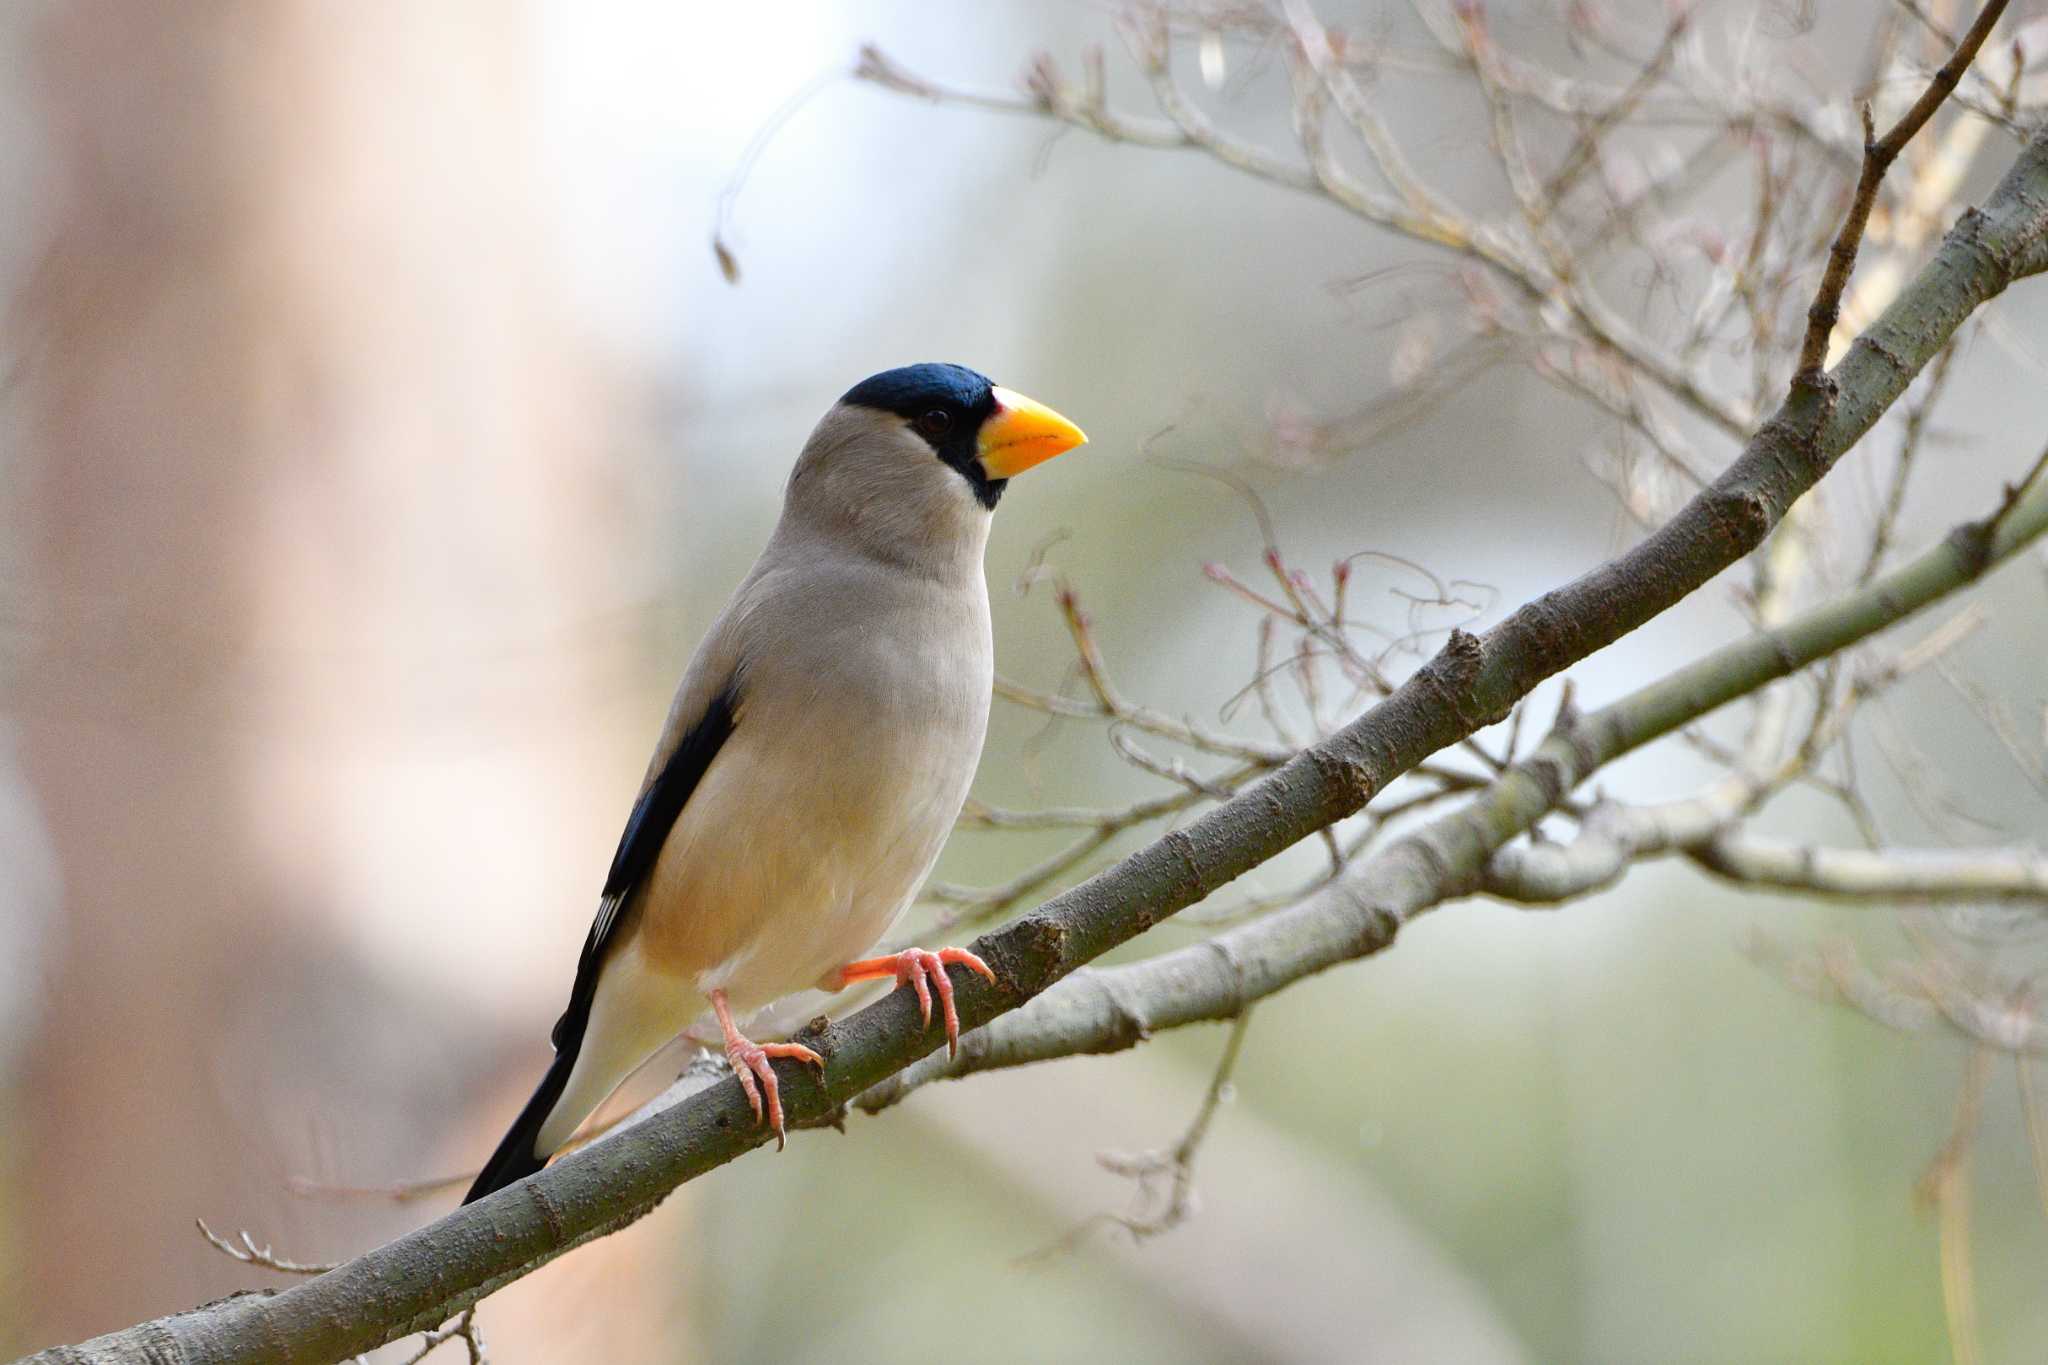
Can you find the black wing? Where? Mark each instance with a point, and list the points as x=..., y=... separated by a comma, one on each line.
x=654, y=814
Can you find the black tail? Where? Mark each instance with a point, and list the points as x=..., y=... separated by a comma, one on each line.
x=648, y=826
x=515, y=1158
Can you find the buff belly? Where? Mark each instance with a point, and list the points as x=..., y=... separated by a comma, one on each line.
x=768, y=888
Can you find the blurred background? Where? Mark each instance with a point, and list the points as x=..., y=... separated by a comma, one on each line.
x=379, y=436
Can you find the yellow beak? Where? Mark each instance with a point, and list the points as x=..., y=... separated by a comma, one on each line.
x=1021, y=433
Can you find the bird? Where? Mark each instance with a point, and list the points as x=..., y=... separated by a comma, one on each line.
x=816, y=755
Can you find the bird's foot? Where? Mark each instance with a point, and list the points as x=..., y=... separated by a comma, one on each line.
x=923, y=971
x=750, y=1062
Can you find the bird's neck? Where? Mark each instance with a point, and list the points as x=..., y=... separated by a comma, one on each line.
x=942, y=539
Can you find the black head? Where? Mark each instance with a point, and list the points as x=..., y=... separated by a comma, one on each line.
x=945, y=405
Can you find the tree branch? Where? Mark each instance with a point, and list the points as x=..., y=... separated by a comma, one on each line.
x=1106, y=1010
x=1893, y=874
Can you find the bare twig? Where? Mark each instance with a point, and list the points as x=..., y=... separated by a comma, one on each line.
x=1878, y=155
x=1158, y=1210
x=1946, y=1186
x=463, y=1329
x=248, y=1253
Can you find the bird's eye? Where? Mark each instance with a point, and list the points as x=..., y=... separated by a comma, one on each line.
x=935, y=423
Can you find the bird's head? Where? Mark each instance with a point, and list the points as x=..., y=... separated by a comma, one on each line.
x=923, y=453
x=984, y=433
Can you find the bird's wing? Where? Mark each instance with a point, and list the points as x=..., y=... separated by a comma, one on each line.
x=661, y=800
x=705, y=711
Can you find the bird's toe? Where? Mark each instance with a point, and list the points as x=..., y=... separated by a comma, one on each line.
x=742, y=1067
x=924, y=971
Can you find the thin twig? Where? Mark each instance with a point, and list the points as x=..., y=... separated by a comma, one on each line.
x=1878, y=155
x=1157, y=1211
x=248, y=1253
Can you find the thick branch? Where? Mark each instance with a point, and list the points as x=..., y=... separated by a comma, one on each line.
x=420, y=1280
x=1106, y=1010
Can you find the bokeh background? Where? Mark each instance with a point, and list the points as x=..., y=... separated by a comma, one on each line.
x=379, y=435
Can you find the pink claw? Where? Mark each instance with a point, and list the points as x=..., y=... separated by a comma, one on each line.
x=750, y=1063
x=923, y=971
